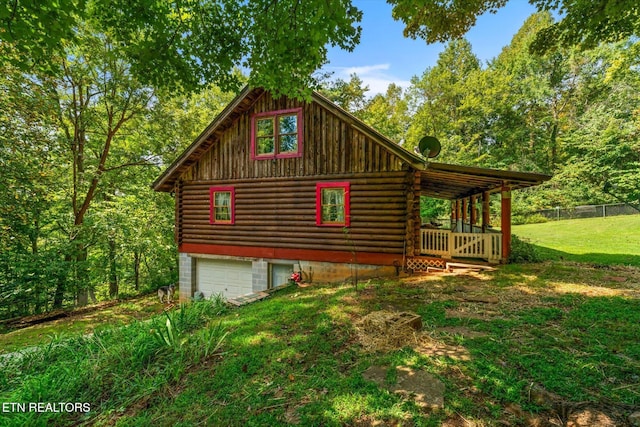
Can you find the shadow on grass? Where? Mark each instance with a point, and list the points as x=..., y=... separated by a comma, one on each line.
x=294, y=358
x=291, y=360
x=592, y=258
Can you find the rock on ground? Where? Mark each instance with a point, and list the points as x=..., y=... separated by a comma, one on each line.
x=425, y=389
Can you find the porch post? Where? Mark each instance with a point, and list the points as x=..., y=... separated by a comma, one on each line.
x=505, y=220
x=417, y=247
x=474, y=212
x=486, y=215
x=464, y=213
x=458, y=214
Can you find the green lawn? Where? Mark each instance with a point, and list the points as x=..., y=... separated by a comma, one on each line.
x=79, y=324
x=612, y=240
x=521, y=345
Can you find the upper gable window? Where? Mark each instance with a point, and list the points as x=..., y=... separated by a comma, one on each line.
x=276, y=134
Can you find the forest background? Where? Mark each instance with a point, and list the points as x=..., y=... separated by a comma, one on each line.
x=92, y=112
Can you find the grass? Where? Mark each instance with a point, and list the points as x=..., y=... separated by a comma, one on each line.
x=76, y=325
x=296, y=358
x=611, y=240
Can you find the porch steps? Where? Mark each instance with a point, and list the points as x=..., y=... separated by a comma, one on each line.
x=439, y=265
x=451, y=266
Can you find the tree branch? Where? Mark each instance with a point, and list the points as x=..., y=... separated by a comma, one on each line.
x=144, y=162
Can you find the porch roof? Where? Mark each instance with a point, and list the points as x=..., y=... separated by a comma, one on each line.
x=451, y=182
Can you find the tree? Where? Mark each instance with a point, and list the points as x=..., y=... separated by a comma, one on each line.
x=604, y=146
x=28, y=149
x=529, y=101
x=388, y=113
x=189, y=44
x=350, y=95
x=439, y=100
x=584, y=23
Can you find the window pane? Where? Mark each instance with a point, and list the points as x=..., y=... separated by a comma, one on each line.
x=333, y=196
x=333, y=205
x=289, y=143
x=222, y=205
x=265, y=127
x=332, y=214
x=265, y=146
x=288, y=124
x=222, y=198
x=223, y=213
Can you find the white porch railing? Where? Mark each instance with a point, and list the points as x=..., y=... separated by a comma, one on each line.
x=461, y=245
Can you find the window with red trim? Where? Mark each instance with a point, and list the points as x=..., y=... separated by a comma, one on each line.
x=332, y=204
x=276, y=134
x=221, y=205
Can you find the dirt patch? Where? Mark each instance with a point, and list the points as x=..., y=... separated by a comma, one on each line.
x=25, y=322
x=590, y=417
x=433, y=348
x=462, y=330
x=471, y=311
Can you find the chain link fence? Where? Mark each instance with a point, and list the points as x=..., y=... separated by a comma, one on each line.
x=590, y=211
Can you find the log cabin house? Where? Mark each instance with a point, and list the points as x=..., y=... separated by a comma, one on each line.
x=279, y=185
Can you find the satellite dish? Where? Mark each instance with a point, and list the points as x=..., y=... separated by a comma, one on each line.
x=429, y=146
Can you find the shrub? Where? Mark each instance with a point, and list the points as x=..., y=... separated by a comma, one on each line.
x=522, y=251
x=535, y=219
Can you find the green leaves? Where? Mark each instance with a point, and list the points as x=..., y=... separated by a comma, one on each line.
x=186, y=45
x=38, y=30
x=584, y=23
x=437, y=21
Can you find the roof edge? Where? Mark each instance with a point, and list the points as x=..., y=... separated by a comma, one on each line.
x=414, y=160
x=489, y=172
x=161, y=180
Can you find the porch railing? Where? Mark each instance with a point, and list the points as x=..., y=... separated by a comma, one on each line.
x=448, y=244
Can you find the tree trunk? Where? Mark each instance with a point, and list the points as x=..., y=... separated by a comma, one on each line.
x=113, y=270
x=554, y=147
x=136, y=269
x=61, y=286
x=82, y=295
x=37, y=293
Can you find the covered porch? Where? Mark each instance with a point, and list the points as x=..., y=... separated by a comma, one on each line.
x=469, y=189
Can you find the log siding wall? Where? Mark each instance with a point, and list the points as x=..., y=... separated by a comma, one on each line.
x=281, y=213
x=275, y=204
x=330, y=146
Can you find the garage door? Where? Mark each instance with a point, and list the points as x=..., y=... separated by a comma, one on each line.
x=228, y=277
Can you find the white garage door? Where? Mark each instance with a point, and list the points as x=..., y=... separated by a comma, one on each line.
x=231, y=278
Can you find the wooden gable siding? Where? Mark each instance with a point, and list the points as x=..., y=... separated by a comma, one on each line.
x=331, y=146
x=281, y=213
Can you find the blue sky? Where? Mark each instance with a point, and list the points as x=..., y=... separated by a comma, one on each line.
x=385, y=56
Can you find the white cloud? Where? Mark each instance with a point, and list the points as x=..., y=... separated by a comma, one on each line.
x=366, y=69
x=376, y=76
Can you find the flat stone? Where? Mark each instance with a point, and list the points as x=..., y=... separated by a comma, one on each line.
x=425, y=389
x=634, y=419
x=589, y=418
x=376, y=374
